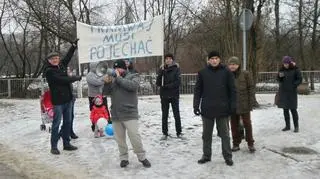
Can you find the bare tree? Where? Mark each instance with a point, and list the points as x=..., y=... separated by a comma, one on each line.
x=4, y=40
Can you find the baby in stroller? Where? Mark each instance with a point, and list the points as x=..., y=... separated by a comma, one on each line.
x=99, y=116
x=46, y=110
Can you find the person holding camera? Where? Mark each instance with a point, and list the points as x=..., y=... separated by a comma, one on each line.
x=55, y=71
x=124, y=111
x=289, y=78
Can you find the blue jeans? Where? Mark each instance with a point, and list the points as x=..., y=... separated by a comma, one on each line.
x=63, y=110
x=72, y=115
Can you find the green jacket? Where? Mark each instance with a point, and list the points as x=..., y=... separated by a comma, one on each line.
x=245, y=91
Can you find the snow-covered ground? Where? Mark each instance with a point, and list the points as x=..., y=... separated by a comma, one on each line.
x=24, y=147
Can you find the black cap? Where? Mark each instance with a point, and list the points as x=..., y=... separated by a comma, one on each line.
x=213, y=54
x=169, y=55
x=120, y=64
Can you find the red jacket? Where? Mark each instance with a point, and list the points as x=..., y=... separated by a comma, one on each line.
x=97, y=113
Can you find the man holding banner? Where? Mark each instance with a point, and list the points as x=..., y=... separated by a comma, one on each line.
x=55, y=71
x=169, y=81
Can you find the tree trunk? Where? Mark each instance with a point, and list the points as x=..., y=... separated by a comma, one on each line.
x=277, y=33
x=314, y=43
x=301, y=36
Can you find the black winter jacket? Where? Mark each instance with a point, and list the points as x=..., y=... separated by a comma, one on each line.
x=216, y=92
x=59, y=81
x=172, y=80
x=288, y=95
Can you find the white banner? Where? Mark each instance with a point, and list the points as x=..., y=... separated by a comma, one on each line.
x=98, y=43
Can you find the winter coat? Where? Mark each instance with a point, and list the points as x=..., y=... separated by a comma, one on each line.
x=215, y=90
x=59, y=81
x=124, y=99
x=245, y=91
x=288, y=96
x=98, y=112
x=95, y=83
x=171, y=83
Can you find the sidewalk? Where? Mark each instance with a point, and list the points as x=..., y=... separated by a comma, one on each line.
x=8, y=173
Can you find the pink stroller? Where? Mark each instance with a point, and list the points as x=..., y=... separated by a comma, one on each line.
x=46, y=111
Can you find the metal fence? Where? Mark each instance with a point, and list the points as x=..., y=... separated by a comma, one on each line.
x=34, y=87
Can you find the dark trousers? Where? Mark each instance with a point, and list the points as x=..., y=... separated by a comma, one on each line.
x=71, y=119
x=165, y=113
x=235, y=126
x=295, y=117
x=223, y=133
x=61, y=111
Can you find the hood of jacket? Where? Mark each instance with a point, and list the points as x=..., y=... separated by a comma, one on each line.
x=93, y=66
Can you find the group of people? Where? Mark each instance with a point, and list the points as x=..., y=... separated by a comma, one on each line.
x=222, y=92
x=124, y=109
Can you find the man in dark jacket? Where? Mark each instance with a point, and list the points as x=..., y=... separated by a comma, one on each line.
x=215, y=90
x=169, y=81
x=245, y=100
x=60, y=87
x=289, y=78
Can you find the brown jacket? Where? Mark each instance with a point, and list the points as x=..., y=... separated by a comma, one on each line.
x=245, y=91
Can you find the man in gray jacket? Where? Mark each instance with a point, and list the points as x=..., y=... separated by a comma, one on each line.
x=124, y=110
x=95, y=86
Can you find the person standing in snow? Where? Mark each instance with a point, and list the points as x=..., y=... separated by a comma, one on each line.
x=59, y=82
x=245, y=101
x=215, y=90
x=95, y=87
x=124, y=111
x=72, y=133
x=289, y=78
x=169, y=93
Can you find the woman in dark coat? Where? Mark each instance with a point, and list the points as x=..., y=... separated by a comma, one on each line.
x=289, y=78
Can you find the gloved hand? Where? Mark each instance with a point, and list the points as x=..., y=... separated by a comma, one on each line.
x=196, y=111
x=164, y=86
x=75, y=42
x=161, y=72
x=78, y=78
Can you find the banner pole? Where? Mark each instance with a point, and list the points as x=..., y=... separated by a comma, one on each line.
x=79, y=90
x=79, y=82
x=162, y=68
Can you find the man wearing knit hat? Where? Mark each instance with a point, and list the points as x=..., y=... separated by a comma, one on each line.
x=215, y=90
x=55, y=71
x=245, y=100
x=124, y=111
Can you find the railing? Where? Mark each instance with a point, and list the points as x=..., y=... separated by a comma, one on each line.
x=34, y=87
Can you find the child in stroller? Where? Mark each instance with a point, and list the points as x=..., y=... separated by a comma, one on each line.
x=99, y=116
x=46, y=110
